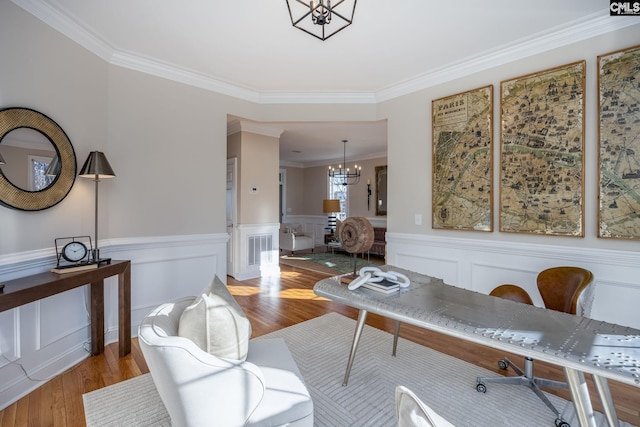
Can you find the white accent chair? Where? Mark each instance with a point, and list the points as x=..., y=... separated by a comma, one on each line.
x=293, y=239
x=412, y=412
x=200, y=389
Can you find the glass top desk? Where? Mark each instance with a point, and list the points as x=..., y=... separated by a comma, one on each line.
x=579, y=344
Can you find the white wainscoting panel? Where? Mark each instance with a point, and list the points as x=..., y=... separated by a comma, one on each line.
x=257, y=251
x=487, y=276
x=617, y=301
x=73, y=321
x=481, y=265
x=8, y=337
x=48, y=336
x=438, y=265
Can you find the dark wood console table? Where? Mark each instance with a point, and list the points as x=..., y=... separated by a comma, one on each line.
x=28, y=289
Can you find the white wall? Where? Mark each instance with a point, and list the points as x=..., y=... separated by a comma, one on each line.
x=37, y=72
x=308, y=196
x=167, y=145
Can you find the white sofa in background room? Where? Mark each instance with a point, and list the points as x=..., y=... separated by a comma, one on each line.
x=293, y=239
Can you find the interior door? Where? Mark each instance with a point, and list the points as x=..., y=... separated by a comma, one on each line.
x=231, y=200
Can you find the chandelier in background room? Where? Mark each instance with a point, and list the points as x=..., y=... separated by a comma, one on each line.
x=321, y=18
x=342, y=175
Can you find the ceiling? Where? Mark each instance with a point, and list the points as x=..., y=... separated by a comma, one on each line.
x=249, y=49
x=306, y=144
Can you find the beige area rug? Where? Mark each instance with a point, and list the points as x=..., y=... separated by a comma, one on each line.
x=321, y=348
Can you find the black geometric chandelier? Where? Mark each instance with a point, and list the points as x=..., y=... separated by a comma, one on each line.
x=343, y=175
x=321, y=18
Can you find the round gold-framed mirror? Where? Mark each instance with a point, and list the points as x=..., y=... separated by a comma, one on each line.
x=16, y=197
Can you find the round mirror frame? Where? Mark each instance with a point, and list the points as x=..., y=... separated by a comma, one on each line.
x=17, y=198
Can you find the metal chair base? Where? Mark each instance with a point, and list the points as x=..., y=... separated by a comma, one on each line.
x=526, y=378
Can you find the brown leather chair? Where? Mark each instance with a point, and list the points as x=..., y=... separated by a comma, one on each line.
x=560, y=288
x=512, y=292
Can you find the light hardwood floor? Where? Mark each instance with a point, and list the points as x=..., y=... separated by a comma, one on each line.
x=271, y=304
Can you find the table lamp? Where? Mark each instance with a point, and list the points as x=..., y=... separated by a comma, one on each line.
x=96, y=166
x=331, y=206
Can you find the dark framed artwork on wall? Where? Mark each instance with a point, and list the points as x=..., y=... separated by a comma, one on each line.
x=462, y=134
x=619, y=144
x=541, y=152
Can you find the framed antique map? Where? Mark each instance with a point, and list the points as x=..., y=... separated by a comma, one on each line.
x=462, y=161
x=619, y=144
x=541, y=152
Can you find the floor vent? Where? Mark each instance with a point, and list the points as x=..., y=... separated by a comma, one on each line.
x=260, y=249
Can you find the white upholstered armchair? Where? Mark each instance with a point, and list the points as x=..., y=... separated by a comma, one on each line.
x=292, y=238
x=200, y=389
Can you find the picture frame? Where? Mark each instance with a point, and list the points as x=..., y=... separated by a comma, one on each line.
x=462, y=139
x=542, y=152
x=619, y=144
x=381, y=190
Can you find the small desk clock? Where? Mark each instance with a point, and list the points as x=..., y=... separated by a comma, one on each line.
x=73, y=253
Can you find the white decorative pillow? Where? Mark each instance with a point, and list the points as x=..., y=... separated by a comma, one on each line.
x=216, y=327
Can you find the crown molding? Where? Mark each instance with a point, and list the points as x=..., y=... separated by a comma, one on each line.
x=325, y=163
x=341, y=160
x=318, y=98
x=236, y=125
x=182, y=75
x=233, y=126
x=591, y=26
x=292, y=164
x=575, y=31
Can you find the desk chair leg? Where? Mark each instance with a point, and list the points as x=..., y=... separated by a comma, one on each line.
x=396, y=332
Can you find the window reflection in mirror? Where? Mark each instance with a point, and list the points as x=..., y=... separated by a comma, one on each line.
x=27, y=154
x=381, y=190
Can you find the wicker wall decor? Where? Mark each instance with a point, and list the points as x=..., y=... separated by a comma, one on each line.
x=18, y=198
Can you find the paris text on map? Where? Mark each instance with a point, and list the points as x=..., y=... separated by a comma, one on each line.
x=462, y=161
